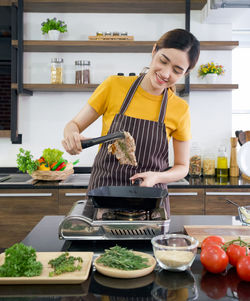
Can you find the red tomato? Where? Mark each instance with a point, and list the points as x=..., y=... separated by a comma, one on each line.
x=212, y=240
x=243, y=268
x=243, y=291
x=214, y=259
x=235, y=252
x=215, y=286
x=232, y=279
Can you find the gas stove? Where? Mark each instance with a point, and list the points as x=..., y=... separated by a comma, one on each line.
x=85, y=222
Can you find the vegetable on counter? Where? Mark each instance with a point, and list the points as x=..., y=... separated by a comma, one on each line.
x=25, y=162
x=65, y=263
x=20, y=260
x=123, y=259
x=52, y=155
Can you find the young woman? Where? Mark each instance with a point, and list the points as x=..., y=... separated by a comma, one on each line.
x=148, y=109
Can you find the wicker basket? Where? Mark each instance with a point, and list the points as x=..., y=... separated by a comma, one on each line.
x=53, y=175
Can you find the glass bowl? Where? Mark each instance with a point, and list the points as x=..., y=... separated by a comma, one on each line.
x=244, y=214
x=174, y=252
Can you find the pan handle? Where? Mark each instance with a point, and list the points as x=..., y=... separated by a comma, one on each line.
x=98, y=140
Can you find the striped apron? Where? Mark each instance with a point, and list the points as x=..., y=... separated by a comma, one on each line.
x=151, y=148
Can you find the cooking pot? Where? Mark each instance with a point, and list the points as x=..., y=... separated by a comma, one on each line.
x=127, y=197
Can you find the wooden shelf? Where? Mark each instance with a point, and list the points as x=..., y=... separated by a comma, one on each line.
x=92, y=87
x=111, y=6
x=5, y=133
x=109, y=46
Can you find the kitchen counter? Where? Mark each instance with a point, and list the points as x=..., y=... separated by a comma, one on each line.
x=80, y=180
x=156, y=286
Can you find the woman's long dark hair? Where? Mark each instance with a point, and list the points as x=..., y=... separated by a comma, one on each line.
x=183, y=40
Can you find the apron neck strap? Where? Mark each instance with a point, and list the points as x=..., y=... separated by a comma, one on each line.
x=131, y=93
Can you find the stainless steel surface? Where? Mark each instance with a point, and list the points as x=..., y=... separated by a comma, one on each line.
x=76, y=180
x=84, y=222
x=180, y=182
x=4, y=177
x=24, y=179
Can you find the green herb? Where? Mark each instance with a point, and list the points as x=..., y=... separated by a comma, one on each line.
x=20, y=260
x=65, y=263
x=122, y=259
x=52, y=155
x=53, y=24
x=25, y=162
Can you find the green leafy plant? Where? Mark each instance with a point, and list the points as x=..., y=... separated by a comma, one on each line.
x=25, y=162
x=65, y=263
x=53, y=24
x=210, y=68
x=20, y=260
x=52, y=155
x=122, y=259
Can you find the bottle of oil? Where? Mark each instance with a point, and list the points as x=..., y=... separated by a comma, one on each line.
x=222, y=163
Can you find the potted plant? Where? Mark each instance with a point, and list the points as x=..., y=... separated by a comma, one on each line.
x=53, y=28
x=210, y=71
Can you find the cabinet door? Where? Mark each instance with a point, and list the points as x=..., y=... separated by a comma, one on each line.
x=22, y=209
x=186, y=201
x=216, y=200
x=67, y=197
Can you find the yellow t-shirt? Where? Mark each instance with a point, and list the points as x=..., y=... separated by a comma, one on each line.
x=108, y=97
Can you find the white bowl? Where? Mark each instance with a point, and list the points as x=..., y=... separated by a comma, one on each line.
x=175, y=252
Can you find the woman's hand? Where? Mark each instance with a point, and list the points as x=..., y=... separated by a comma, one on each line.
x=72, y=143
x=149, y=178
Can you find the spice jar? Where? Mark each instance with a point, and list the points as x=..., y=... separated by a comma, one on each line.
x=82, y=72
x=195, y=160
x=209, y=163
x=222, y=162
x=56, y=71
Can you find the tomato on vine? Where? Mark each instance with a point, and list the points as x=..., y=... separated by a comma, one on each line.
x=243, y=268
x=212, y=240
x=235, y=252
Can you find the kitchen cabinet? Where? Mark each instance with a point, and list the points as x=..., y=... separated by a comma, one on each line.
x=22, y=209
x=186, y=201
x=67, y=197
x=216, y=200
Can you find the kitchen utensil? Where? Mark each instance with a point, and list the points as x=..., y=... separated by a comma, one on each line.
x=241, y=137
x=234, y=169
x=244, y=159
x=102, y=139
x=227, y=232
x=175, y=252
x=235, y=204
x=244, y=214
x=116, y=273
x=127, y=197
x=44, y=258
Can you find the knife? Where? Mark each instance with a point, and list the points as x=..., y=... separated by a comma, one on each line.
x=102, y=139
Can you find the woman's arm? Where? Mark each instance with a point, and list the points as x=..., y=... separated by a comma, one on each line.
x=177, y=172
x=72, y=138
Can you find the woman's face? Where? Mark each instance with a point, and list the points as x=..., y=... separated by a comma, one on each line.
x=167, y=67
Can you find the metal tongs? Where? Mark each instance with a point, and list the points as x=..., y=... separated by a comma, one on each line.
x=102, y=139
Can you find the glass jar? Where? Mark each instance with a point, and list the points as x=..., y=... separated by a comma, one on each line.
x=56, y=71
x=195, y=160
x=209, y=163
x=82, y=72
x=222, y=162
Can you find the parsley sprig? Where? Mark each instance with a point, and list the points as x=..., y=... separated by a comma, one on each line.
x=122, y=259
x=25, y=162
x=20, y=260
x=65, y=263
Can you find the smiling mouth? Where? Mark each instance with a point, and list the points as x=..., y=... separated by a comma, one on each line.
x=160, y=80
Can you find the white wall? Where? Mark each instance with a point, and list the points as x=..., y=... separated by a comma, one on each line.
x=43, y=116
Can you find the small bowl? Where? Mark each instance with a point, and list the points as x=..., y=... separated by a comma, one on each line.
x=245, y=220
x=174, y=252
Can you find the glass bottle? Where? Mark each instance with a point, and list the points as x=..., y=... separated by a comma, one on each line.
x=56, y=71
x=222, y=163
x=82, y=72
x=195, y=160
x=209, y=163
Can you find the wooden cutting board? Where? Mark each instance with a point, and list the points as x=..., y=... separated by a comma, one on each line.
x=44, y=258
x=228, y=232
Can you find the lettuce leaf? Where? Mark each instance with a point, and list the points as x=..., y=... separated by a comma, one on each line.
x=52, y=155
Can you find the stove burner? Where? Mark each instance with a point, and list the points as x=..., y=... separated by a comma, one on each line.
x=129, y=215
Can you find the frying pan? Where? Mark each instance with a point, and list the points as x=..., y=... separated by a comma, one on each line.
x=127, y=197
x=102, y=139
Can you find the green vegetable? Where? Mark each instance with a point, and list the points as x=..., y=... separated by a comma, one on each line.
x=25, y=162
x=122, y=259
x=52, y=155
x=20, y=260
x=65, y=263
